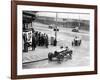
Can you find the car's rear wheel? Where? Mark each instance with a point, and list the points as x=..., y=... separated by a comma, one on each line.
x=60, y=58
x=70, y=54
x=72, y=43
x=50, y=56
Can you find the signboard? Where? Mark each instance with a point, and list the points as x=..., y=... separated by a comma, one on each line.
x=29, y=36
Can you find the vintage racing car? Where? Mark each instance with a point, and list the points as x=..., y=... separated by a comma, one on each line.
x=51, y=26
x=60, y=54
x=76, y=29
x=77, y=41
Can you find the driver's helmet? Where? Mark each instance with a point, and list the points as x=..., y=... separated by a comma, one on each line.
x=66, y=47
x=61, y=47
x=75, y=37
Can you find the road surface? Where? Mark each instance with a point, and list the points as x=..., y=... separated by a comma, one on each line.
x=80, y=57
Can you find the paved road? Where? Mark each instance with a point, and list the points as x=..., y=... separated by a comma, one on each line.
x=81, y=56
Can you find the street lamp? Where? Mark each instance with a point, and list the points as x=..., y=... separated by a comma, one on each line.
x=79, y=21
x=55, y=29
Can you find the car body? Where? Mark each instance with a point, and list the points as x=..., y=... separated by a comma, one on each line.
x=76, y=29
x=51, y=26
x=77, y=41
x=60, y=54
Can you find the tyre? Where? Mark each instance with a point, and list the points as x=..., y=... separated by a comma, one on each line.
x=50, y=56
x=60, y=57
x=56, y=53
x=72, y=43
x=70, y=54
x=80, y=42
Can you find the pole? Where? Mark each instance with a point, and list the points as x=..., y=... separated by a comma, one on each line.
x=56, y=28
x=79, y=21
x=31, y=22
x=55, y=41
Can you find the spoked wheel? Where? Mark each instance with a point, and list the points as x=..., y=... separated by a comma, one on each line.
x=60, y=58
x=80, y=43
x=50, y=56
x=70, y=54
x=72, y=43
